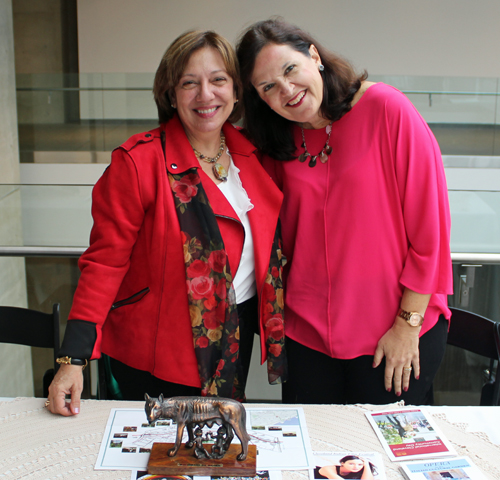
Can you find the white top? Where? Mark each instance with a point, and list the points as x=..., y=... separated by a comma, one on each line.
x=244, y=280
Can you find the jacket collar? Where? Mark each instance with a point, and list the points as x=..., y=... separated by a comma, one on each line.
x=178, y=152
x=260, y=188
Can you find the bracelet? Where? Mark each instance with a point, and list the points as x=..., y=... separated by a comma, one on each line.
x=72, y=361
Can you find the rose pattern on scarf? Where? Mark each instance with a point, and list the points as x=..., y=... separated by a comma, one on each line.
x=211, y=296
x=272, y=313
x=208, y=283
x=185, y=188
x=212, y=305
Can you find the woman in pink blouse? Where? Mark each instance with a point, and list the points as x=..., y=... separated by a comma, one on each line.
x=365, y=221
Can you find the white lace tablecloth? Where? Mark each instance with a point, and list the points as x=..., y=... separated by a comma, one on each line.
x=34, y=444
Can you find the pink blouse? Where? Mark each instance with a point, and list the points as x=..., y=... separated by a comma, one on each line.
x=358, y=229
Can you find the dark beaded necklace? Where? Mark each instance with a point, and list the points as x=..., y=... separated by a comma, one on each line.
x=323, y=155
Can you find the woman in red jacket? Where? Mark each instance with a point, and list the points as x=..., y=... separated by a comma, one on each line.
x=184, y=263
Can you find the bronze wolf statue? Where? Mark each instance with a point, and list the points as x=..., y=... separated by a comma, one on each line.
x=192, y=411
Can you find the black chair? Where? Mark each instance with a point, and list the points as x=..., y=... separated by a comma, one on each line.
x=479, y=335
x=32, y=328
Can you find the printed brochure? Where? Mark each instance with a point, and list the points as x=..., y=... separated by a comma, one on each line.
x=352, y=465
x=409, y=433
x=452, y=468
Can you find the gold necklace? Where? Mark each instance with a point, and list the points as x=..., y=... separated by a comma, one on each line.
x=218, y=170
x=323, y=155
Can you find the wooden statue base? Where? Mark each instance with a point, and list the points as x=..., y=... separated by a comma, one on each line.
x=185, y=463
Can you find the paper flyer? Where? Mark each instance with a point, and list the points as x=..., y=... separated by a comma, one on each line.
x=409, y=433
x=459, y=467
x=260, y=475
x=352, y=465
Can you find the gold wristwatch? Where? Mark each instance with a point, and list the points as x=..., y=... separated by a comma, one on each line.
x=72, y=361
x=414, y=319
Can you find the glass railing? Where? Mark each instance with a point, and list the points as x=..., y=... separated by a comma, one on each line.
x=475, y=221
x=74, y=118
x=56, y=98
x=450, y=100
x=52, y=220
x=57, y=217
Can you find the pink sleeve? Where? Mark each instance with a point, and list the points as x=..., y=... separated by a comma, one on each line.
x=424, y=199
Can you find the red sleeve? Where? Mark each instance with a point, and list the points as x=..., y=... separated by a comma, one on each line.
x=118, y=213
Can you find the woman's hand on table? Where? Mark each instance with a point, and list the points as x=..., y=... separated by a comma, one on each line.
x=67, y=381
x=399, y=346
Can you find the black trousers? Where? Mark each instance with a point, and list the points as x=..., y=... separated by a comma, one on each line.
x=135, y=383
x=316, y=378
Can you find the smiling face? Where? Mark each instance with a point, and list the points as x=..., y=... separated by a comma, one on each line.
x=351, y=465
x=204, y=96
x=290, y=83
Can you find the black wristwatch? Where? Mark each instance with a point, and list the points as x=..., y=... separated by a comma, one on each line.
x=72, y=361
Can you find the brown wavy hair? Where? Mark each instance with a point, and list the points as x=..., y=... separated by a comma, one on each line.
x=173, y=64
x=270, y=132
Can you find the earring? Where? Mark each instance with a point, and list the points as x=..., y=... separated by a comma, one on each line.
x=321, y=67
x=172, y=105
x=236, y=101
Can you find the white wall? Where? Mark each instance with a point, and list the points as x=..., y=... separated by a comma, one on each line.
x=422, y=37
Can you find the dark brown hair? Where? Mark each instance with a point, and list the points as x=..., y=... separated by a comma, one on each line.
x=373, y=468
x=271, y=132
x=173, y=64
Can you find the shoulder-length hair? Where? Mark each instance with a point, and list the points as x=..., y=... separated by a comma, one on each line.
x=271, y=132
x=173, y=64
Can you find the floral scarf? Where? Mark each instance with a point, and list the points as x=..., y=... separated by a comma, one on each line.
x=211, y=296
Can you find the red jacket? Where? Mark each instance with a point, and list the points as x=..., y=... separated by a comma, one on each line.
x=131, y=301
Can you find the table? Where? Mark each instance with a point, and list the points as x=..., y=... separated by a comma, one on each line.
x=34, y=444
x=475, y=419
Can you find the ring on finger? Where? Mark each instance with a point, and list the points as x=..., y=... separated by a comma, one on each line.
x=407, y=369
